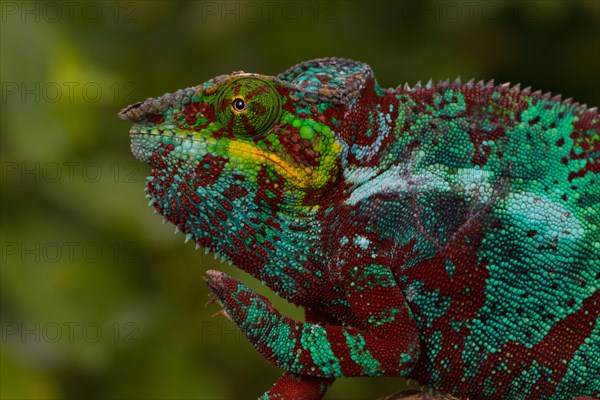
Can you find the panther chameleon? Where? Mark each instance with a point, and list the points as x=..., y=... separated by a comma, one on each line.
x=447, y=233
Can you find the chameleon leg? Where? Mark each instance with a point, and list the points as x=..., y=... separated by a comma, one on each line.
x=305, y=348
x=377, y=301
x=303, y=387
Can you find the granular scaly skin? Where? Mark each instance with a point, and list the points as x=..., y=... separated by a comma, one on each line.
x=447, y=233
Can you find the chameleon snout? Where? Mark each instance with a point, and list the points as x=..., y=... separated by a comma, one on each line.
x=141, y=111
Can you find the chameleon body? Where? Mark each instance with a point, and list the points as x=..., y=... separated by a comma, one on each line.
x=447, y=233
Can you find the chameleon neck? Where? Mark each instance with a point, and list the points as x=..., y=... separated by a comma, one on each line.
x=277, y=243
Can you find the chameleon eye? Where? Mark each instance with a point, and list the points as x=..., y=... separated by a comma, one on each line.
x=239, y=104
x=248, y=106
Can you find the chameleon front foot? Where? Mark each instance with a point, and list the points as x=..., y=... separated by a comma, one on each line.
x=308, y=348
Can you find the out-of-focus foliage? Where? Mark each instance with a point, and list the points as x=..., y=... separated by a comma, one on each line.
x=98, y=298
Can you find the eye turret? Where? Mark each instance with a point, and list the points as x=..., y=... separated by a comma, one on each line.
x=248, y=106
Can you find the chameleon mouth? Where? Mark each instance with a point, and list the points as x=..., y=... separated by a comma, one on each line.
x=147, y=142
x=191, y=147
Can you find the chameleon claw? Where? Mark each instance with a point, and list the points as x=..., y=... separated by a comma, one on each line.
x=223, y=313
x=212, y=299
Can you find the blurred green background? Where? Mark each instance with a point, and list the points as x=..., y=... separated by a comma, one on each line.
x=101, y=300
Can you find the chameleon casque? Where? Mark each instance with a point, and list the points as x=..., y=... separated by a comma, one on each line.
x=447, y=233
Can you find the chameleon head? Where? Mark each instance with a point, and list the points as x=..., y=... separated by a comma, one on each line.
x=233, y=151
x=249, y=122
